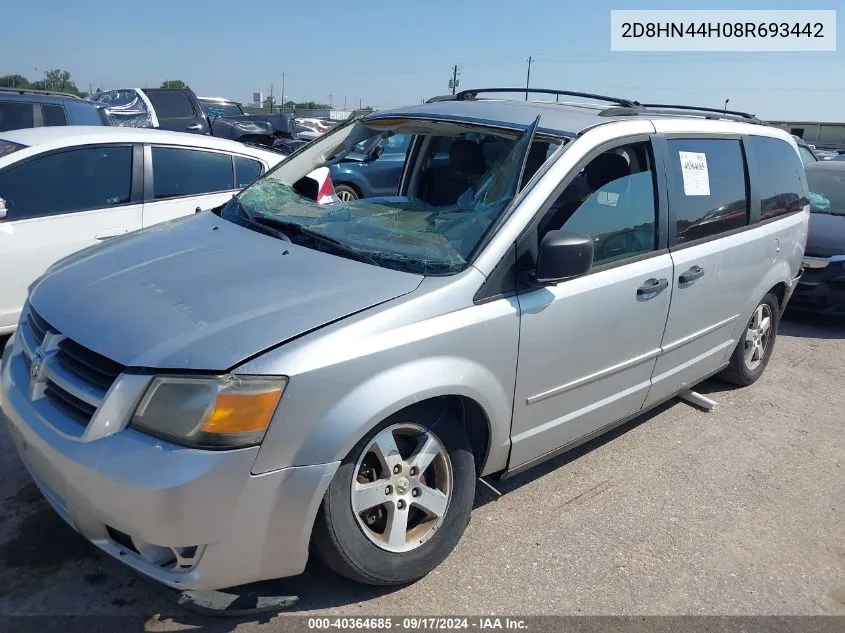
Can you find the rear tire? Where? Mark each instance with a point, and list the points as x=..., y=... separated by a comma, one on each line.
x=345, y=193
x=419, y=517
x=755, y=346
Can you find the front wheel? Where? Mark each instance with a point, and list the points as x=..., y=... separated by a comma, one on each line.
x=399, y=502
x=345, y=193
x=755, y=346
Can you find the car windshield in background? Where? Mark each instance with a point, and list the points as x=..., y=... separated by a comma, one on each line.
x=827, y=191
x=469, y=179
x=7, y=147
x=214, y=109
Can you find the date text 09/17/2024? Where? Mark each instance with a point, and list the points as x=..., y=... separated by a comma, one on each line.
x=481, y=623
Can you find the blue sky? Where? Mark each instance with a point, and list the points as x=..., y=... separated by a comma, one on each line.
x=389, y=53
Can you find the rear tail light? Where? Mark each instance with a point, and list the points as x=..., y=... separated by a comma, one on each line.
x=327, y=195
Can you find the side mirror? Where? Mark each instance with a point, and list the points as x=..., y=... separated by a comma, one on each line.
x=377, y=151
x=563, y=255
x=2, y=208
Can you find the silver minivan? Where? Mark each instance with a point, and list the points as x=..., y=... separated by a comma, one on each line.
x=213, y=398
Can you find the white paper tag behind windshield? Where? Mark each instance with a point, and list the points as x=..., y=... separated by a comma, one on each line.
x=694, y=170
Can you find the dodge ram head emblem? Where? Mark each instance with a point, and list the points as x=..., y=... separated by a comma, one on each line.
x=37, y=365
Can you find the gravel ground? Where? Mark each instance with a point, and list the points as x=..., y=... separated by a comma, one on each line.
x=740, y=511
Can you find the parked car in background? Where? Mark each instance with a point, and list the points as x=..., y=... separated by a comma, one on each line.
x=180, y=110
x=826, y=153
x=304, y=132
x=218, y=106
x=24, y=108
x=315, y=124
x=371, y=171
x=822, y=286
x=805, y=150
x=211, y=402
x=66, y=188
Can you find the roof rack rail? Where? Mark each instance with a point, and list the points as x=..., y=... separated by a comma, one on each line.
x=663, y=106
x=473, y=93
x=33, y=91
x=646, y=109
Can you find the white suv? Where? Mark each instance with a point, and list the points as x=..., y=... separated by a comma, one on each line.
x=65, y=188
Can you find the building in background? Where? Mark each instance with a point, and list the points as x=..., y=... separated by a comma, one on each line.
x=820, y=134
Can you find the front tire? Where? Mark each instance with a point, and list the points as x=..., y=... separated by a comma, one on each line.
x=755, y=346
x=400, y=501
x=345, y=193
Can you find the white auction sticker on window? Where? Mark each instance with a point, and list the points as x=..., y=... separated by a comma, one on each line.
x=694, y=170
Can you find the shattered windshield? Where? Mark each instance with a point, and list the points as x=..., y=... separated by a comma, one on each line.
x=464, y=178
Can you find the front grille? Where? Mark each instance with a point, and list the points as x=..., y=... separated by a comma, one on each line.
x=38, y=326
x=75, y=378
x=91, y=366
x=69, y=403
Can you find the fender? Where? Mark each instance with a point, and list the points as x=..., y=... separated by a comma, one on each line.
x=388, y=392
x=306, y=433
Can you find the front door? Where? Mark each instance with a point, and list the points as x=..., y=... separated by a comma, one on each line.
x=57, y=204
x=588, y=345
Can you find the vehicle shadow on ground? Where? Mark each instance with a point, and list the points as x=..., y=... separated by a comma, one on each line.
x=806, y=324
x=511, y=484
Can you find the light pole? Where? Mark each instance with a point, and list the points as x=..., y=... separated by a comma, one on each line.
x=727, y=101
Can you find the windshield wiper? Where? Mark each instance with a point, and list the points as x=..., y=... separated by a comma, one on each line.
x=337, y=245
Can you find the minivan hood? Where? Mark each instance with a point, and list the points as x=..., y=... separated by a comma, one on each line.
x=202, y=293
x=827, y=235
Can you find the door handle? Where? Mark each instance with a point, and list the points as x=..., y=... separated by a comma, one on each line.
x=652, y=287
x=194, y=128
x=696, y=272
x=107, y=233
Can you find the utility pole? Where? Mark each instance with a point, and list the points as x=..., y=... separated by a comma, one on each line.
x=528, y=77
x=271, y=98
x=360, y=103
x=454, y=78
x=283, y=90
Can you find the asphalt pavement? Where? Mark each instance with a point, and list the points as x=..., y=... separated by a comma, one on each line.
x=737, y=511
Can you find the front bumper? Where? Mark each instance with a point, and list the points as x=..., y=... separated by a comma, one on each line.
x=138, y=498
x=821, y=288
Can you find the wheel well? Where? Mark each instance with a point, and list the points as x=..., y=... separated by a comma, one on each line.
x=470, y=414
x=351, y=185
x=780, y=292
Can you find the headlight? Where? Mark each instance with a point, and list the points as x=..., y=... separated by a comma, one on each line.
x=209, y=412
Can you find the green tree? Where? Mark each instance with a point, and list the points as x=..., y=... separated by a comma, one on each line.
x=14, y=81
x=56, y=80
x=175, y=83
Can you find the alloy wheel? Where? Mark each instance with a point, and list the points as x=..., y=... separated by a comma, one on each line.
x=402, y=487
x=758, y=336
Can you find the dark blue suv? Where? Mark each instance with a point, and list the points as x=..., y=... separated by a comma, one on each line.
x=23, y=108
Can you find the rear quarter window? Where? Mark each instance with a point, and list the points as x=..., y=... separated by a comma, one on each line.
x=53, y=114
x=778, y=177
